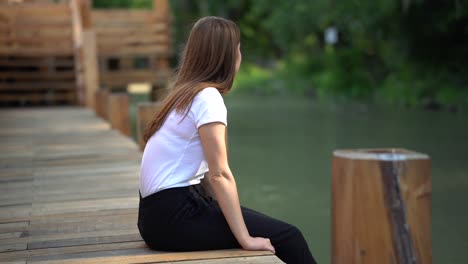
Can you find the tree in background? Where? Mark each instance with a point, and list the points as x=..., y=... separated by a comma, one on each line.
x=409, y=52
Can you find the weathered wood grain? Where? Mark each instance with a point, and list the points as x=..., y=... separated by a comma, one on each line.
x=69, y=193
x=381, y=207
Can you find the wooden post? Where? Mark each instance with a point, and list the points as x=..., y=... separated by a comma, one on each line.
x=161, y=8
x=90, y=63
x=85, y=13
x=77, y=30
x=160, y=94
x=101, y=109
x=146, y=113
x=381, y=207
x=118, y=112
x=91, y=72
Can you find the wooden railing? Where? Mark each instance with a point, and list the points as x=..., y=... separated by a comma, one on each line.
x=133, y=46
x=36, y=53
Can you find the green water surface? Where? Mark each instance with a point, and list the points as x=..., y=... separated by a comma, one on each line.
x=280, y=153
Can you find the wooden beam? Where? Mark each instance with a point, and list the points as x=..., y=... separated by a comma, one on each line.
x=133, y=40
x=34, y=10
x=160, y=94
x=91, y=70
x=36, y=97
x=101, y=107
x=118, y=112
x=36, y=51
x=36, y=75
x=34, y=85
x=146, y=113
x=101, y=17
x=161, y=8
x=64, y=41
x=27, y=62
x=125, y=77
x=122, y=50
x=78, y=50
x=128, y=30
x=85, y=12
x=31, y=31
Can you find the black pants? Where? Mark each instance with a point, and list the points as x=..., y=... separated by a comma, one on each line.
x=187, y=219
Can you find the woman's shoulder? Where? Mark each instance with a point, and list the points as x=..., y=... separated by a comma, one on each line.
x=209, y=91
x=209, y=94
x=208, y=106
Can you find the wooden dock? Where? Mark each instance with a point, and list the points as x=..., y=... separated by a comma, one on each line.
x=69, y=193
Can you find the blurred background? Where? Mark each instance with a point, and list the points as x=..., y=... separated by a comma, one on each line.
x=323, y=75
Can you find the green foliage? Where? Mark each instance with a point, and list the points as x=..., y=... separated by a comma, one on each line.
x=409, y=53
x=146, y=4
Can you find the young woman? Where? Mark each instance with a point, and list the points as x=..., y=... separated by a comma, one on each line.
x=186, y=148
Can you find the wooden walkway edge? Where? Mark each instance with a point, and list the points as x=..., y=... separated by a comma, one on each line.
x=69, y=193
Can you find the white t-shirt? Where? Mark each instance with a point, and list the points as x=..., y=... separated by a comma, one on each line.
x=173, y=156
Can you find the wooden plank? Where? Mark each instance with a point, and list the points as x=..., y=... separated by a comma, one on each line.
x=130, y=76
x=66, y=250
x=36, y=51
x=34, y=45
x=30, y=10
x=129, y=30
x=22, y=75
x=35, y=98
x=161, y=8
x=51, y=85
x=134, y=39
x=120, y=50
x=86, y=15
x=22, y=40
x=60, y=19
x=91, y=71
x=102, y=103
x=101, y=17
x=68, y=193
x=219, y=256
x=36, y=31
x=77, y=28
x=22, y=62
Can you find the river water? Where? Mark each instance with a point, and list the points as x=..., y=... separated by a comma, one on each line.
x=280, y=153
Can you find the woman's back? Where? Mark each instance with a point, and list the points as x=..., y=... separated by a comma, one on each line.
x=173, y=156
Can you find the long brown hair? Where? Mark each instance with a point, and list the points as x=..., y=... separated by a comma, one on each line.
x=208, y=60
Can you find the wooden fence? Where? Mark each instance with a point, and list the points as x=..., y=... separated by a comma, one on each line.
x=63, y=51
x=37, y=53
x=133, y=46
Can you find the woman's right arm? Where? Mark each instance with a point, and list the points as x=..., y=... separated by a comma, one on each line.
x=224, y=186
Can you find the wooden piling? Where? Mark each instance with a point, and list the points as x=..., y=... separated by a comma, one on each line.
x=146, y=112
x=91, y=72
x=381, y=207
x=101, y=106
x=118, y=112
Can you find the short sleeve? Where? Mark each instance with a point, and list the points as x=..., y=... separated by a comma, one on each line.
x=208, y=106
